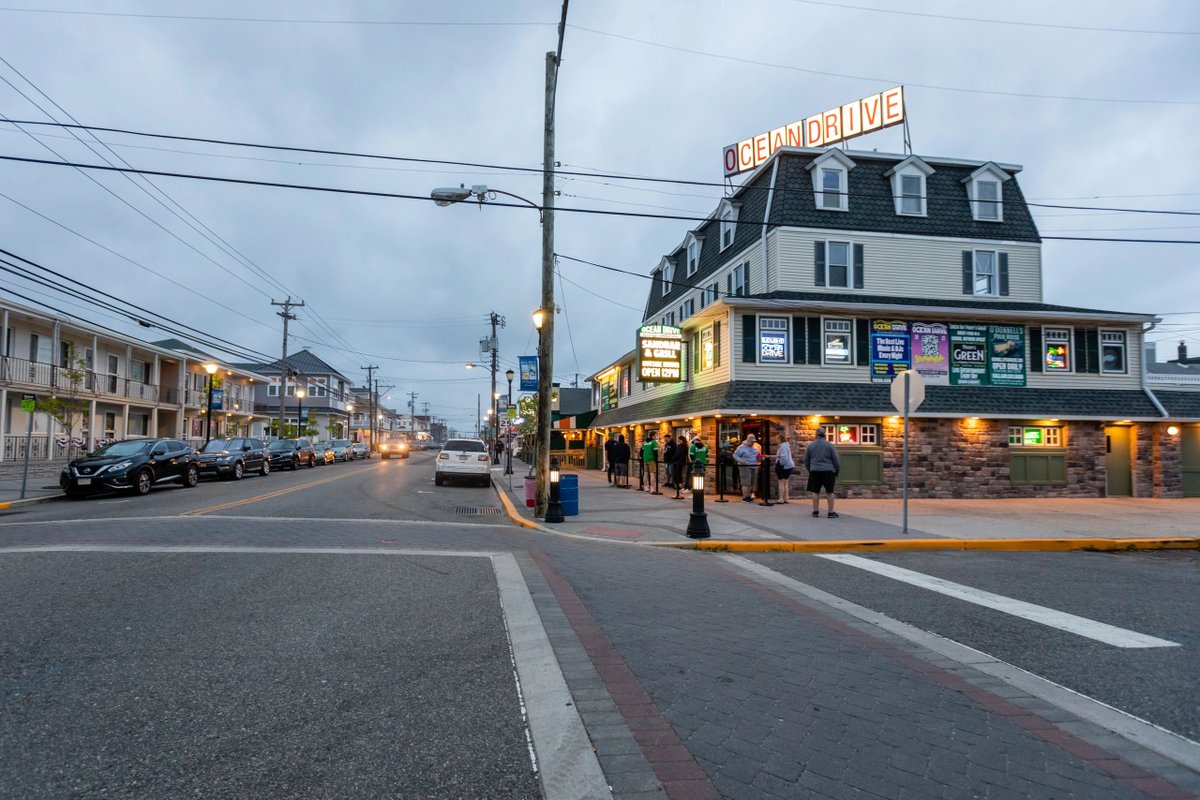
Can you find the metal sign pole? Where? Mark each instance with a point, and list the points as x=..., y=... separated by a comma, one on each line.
x=29, y=445
x=905, y=495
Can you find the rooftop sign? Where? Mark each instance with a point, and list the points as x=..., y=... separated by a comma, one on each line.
x=660, y=354
x=872, y=113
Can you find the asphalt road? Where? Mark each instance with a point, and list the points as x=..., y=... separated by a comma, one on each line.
x=350, y=631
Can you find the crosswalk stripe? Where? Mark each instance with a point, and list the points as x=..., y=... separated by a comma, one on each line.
x=1081, y=626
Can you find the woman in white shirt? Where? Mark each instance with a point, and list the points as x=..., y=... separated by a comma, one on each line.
x=784, y=464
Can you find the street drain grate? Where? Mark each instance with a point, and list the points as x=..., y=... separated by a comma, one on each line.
x=494, y=512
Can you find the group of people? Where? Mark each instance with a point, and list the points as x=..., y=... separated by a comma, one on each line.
x=680, y=456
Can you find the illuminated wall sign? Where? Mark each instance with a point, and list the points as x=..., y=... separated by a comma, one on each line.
x=890, y=353
x=872, y=113
x=773, y=340
x=660, y=354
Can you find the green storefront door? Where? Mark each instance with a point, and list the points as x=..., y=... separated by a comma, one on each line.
x=1120, y=472
x=1190, y=457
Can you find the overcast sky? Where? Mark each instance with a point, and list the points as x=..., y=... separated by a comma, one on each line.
x=645, y=88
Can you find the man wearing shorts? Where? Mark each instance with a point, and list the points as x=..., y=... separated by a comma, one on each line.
x=822, y=462
x=747, y=458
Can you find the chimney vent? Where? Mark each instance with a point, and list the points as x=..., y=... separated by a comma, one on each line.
x=1183, y=351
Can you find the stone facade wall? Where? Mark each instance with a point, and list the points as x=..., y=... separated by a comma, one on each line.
x=959, y=458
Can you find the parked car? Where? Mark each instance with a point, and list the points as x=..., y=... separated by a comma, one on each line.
x=342, y=449
x=292, y=453
x=361, y=450
x=396, y=447
x=135, y=465
x=463, y=458
x=324, y=453
x=233, y=458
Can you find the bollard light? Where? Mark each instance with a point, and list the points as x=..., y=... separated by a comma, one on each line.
x=554, y=509
x=697, y=527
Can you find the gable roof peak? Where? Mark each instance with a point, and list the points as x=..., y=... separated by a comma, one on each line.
x=990, y=168
x=915, y=162
x=832, y=154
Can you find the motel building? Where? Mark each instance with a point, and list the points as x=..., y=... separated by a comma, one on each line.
x=828, y=271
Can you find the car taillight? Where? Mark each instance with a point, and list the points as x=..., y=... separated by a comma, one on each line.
x=443, y=456
x=482, y=458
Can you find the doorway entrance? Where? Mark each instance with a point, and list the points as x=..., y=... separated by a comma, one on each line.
x=1119, y=453
x=762, y=436
x=1190, y=458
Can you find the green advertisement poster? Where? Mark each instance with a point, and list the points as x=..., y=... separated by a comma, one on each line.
x=968, y=355
x=1006, y=355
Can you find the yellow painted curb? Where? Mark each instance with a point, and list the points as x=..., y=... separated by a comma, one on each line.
x=4, y=506
x=512, y=512
x=901, y=545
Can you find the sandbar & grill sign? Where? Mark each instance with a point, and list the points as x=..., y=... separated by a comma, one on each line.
x=660, y=354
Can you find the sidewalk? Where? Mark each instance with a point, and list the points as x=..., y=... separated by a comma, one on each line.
x=630, y=515
x=42, y=482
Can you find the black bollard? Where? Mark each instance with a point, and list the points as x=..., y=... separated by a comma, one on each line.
x=697, y=527
x=554, y=509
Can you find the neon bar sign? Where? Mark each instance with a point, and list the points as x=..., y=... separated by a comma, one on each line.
x=872, y=113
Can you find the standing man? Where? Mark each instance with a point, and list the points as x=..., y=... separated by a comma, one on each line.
x=621, y=454
x=747, y=457
x=650, y=459
x=822, y=462
x=609, y=461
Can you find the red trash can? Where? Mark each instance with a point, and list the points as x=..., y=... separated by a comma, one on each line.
x=530, y=491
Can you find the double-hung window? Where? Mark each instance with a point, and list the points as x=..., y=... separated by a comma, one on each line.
x=1112, y=352
x=986, y=273
x=668, y=277
x=693, y=256
x=739, y=279
x=833, y=190
x=837, y=259
x=687, y=309
x=987, y=200
x=1057, y=350
x=912, y=195
x=728, y=214
x=709, y=295
x=839, y=342
x=707, y=355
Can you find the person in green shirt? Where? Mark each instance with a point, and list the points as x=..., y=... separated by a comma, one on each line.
x=650, y=459
x=698, y=453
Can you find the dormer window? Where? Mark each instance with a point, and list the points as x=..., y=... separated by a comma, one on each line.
x=986, y=193
x=693, y=244
x=667, y=272
x=831, y=180
x=909, y=186
x=728, y=214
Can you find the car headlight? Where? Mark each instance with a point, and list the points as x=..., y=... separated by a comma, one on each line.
x=226, y=457
x=121, y=467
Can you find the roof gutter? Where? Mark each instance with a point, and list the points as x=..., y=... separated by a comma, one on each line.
x=892, y=308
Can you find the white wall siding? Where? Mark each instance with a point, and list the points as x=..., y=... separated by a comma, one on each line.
x=903, y=266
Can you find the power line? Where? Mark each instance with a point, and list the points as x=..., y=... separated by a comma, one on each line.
x=279, y=20
x=881, y=80
x=567, y=174
x=1050, y=25
x=565, y=209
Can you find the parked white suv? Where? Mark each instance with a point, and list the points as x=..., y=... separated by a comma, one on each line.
x=463, y=458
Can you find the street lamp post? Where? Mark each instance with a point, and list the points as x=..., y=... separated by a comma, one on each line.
x=299, y=411
x=211, y=369
x=697, y=527
x=508, y=435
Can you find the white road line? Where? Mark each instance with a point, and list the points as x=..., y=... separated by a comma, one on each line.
x=265, y=520
x=1153, y=737
x=1080, y=626
x=569, y=769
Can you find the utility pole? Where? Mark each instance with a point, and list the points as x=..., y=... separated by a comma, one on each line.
x=412, y=414
x=546, y=340
x=371, y=404
x=493, y=403
x=283, y=373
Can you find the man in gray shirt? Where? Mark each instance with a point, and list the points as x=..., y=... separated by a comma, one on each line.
x=822, y=462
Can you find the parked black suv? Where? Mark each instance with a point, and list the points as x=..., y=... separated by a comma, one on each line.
x=292, y=453
x=233, y=458
x=135, y=465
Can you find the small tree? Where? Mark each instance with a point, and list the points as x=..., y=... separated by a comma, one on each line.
x=69, y=410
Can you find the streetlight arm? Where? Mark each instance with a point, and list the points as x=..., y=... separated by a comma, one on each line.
x=490, y=192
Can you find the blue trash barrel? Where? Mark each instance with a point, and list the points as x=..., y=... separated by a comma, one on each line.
x=568, y=494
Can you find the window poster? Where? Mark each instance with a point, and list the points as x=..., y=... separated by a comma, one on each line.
x=931, y=351
x=773, y=340
x=889, y=349
x=1006, y=355
x=968, y=355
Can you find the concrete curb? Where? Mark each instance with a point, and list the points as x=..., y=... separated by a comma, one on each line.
x=901, y=545
x=513, y=514
x=8, y=504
